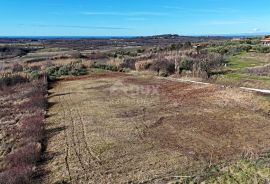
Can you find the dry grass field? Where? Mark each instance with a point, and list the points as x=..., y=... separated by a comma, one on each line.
x=119, y=128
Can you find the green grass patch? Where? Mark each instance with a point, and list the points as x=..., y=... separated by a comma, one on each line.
x=240, y=61
x=266, y=98
x=242, y=76
x=244, y=171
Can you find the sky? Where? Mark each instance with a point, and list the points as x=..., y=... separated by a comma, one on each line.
x=132, y=17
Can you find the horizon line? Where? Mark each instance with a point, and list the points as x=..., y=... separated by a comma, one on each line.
x=134, y=36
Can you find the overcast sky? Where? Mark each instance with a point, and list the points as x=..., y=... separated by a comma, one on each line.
x=132, y=17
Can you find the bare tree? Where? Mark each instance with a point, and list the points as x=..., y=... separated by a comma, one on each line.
x=210, y=62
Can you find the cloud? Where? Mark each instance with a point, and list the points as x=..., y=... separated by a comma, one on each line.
x=136, y=19
x=78, y=27
x=201, y=10
x=125, y=13
x=255, y=30
x=225, y=22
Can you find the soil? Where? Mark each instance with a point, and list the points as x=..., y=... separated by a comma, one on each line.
x=117, y=128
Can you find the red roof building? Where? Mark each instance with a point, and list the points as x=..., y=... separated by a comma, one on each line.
x=266, y=41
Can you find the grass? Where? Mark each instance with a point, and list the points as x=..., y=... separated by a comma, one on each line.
x=237, y=74
x=267, y=98
x=243, y=76
x=240, y=62
x=122, y=130
x=244, y=171
x=244, y=80
x=23, y=138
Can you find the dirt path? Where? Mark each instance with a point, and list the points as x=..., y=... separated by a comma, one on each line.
x=127, y=129
x=264, y=91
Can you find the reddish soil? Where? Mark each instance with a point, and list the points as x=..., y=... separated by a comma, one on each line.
x=95, y=76
x=132, y=137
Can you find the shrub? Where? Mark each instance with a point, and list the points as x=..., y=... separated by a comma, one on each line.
x=17, y=67
x=178, y=46
x=128, y=63
x=38, y=87
x=76, y=55
x=143, y=65
x=75, y=69
x=209, y=62
x=78, y=69
x=38, y=101
x=32, y=127
x=166, y=67
x=97, y=55
x=186, y=63
x=34, y=75
x=262, y=49
x=12, y=80
x=230, y=48
x=26, y=155
x=139, y=51
x=20, y=163
x=260, y=70
x=17, y=175
x=104, y=66
x=63, y=70
x=12, y=51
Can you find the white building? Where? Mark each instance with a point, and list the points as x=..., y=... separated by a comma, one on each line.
x=266, y=41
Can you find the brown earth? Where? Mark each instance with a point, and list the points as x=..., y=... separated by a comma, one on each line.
x=129, y=129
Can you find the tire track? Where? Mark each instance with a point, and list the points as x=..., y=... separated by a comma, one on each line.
x=90, y=151
x=74, y=143
x=66, y=144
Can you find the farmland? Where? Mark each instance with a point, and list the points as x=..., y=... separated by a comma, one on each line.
x=109, y=127
x=161, y=109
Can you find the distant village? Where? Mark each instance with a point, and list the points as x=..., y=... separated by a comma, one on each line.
x=266, y=41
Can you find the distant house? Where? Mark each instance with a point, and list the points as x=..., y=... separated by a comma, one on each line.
x=236, y=39
x=266, y=41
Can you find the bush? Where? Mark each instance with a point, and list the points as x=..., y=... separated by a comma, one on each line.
x=97, y=55
x=262, y=49
x=104, y=66
x=78, y=69
x=20, y=163
x=17, y=67
x=163, y=66
x=128, y=63
x=32, y=127
x=143, y=65
x=206, y=63
x=34, y=75
x=260, y=70
x=75, y=69
x=12, y=51
x=12, y=80
x=64, y=70
x=139, y=51
x=26, y=155
x=186, y=63
x=230, y=48
x=17, y=175
x=38, y=101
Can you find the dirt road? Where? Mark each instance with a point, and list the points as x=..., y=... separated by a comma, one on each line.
x=112, y=128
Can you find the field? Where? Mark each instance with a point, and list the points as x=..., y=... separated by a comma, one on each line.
x=239, y=66
x=160, y=109
x=130, y=128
